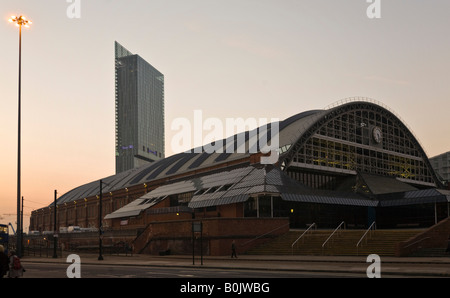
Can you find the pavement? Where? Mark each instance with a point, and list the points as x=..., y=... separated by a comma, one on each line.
x=389, y=266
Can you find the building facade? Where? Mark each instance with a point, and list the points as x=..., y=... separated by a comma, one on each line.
x=355, y=162
x=139, y=106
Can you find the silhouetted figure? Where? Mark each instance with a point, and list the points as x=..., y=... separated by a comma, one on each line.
x=233, y=250
x=4, y=262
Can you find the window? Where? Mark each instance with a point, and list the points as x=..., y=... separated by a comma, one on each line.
x=346, y=142
x=250, y=208
x=226, y=187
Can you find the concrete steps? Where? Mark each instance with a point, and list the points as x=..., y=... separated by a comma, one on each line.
x=431, y=252
x=381, y=242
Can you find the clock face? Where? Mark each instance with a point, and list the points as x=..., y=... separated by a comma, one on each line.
x=377, y=134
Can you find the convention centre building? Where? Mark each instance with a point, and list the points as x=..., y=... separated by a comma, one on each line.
x=355, y=162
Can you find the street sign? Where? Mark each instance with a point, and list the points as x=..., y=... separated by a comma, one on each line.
x=197, y=227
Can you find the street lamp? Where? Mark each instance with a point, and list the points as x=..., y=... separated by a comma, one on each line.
x=55, y=233
x=20, y=21
x=100, y=219
x=100, y=226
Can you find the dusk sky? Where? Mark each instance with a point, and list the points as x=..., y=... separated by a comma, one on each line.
x=229, y=59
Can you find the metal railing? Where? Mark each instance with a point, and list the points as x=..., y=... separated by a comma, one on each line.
x=262, y=235
x=301, y=236
x=372, y=227
x=417, y=241
x=331, y=235
x=40, y=251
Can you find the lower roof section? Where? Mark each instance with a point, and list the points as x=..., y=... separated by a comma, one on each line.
x=333, y=200
x=422, y=196
x=239, y=184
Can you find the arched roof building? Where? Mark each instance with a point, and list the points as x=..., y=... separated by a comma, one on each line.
x=355, y=153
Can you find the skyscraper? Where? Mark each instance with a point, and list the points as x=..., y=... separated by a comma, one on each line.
x=139, y=111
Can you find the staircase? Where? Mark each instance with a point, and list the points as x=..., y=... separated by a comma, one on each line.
x=431, y=252
x=381, y=242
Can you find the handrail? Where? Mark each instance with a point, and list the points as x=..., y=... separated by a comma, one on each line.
x=329, y=237
x=370, y=228
x=293, y=243
x=415, y=242
x=282, y=226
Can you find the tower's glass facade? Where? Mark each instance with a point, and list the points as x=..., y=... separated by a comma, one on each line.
x=139, y=111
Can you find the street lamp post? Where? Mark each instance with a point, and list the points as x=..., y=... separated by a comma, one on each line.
x=55, y=233
x=100, y=219
x=20, y=21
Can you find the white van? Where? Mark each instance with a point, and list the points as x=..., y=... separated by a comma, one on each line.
x=73, y=229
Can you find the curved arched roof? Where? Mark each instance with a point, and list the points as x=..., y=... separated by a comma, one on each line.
x=293, y=132
x=317, y=120
x=186, y=162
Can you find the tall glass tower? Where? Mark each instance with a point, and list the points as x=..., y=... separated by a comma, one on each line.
x=139, y=111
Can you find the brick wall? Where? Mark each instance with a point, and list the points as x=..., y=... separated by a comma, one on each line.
x=435, y=237
x=217, y=235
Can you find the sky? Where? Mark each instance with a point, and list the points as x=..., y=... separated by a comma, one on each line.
x=227, y=58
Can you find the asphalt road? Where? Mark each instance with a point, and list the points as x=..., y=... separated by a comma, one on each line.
x=200, y=281
x=57, y=270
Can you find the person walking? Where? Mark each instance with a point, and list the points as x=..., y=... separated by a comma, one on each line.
x=4, y=262
x=233, y=249
x=15, y=267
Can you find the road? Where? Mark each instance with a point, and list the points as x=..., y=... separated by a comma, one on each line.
x=178, y=281
x=58, y=270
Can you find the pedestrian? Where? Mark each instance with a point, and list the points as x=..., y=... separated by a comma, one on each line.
x=15, y=267
x=4, y=267
x=233, y=249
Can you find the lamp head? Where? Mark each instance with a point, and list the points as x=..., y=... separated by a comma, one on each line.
x=20, y=20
